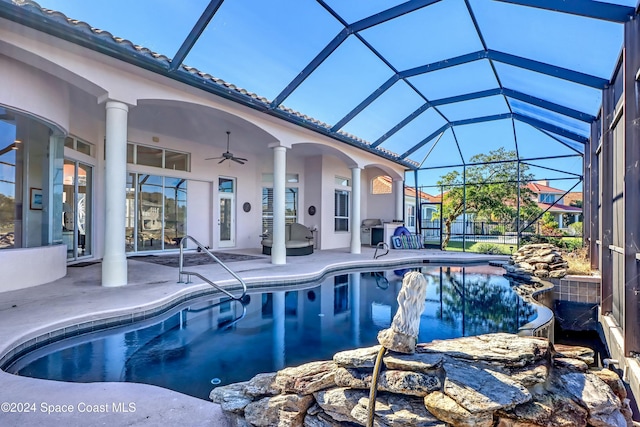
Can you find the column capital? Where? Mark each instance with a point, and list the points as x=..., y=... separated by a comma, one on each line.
x=116, y=105
x=278, y=144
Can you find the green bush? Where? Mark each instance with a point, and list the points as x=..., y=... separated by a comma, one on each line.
x=576, y=227
x=489, y=248
x=570, y=244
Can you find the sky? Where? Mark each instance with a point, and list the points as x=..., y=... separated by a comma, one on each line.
x=261, y=46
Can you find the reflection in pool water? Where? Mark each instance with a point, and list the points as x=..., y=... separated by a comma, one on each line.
x=219, y=341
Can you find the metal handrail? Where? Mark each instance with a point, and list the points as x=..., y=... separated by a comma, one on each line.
x=193, y=273
x=380, y=245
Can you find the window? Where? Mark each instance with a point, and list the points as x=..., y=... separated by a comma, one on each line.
x=290, y=177
x=156, y=212
x=411, y=216
x=79, y=146
x=290, y=207
x=547, y=198
x=342, y=210
x=157, y=157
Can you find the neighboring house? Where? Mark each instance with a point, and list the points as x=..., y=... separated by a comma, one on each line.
x=384, y=185
x=545, y=196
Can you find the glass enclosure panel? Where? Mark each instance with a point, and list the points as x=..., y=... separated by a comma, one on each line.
x=384, y=113
x=458, y=80
x=534, y=143
x=558, y=91
x=482, y=138
x=340, y=83
x=481, y=107
x=566, y=40
x=554, y=119
x=355, y=10
x=149, y=156
x=414, y=132
x=442, y=151
x=150, y=212
x=175, y=211
x=441, y=31
x=69, y=143
x=278, y=38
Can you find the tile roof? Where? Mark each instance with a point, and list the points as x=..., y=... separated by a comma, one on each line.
x=539, y=188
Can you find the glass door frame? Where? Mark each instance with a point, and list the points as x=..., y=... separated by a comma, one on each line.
x=231, y=196
x=88, y=201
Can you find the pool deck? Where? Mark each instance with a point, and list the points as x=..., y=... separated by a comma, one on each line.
x=79, y=299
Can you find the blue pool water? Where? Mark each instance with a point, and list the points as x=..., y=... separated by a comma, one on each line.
x=216, y=341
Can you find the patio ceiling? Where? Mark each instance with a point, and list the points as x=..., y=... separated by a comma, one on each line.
x=424, y=82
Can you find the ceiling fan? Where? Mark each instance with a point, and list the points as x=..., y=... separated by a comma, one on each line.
x=227, y=155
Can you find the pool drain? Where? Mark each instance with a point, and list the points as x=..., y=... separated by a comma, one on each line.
x=216, y=381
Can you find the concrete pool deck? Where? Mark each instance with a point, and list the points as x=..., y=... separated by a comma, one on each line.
x=78, y=299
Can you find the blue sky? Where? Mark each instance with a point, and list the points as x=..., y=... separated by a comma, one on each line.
x=262, y=45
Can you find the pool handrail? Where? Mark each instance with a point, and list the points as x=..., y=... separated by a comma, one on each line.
x=181, y=271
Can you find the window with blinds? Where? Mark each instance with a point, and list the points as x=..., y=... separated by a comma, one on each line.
x=290, y=207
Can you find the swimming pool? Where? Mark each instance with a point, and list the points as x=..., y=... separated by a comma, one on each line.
x=216, y=341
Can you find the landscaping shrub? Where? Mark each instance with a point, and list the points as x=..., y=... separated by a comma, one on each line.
x=489, y=248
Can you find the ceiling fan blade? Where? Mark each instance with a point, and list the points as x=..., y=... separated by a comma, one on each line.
x=214, y=158
x=223, y=159
x=240, y=158
x=237, y=160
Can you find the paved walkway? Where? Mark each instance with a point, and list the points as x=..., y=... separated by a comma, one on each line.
x=78, y=298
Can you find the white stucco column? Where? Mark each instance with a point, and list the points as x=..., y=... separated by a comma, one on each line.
x=576, y=217
x=278, y=250
x=114, y=261
x=398, y=192
x=355, y=210
x=560, y=224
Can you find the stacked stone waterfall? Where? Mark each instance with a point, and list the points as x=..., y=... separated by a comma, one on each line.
x=494, y=380
x=539, y=260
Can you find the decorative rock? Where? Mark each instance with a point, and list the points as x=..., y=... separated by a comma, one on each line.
x=307, y=378
x=497, y=347
x=537, y=261
x=338, y=402
x=359, y=358
x=262, y=385
x=419, y=362
x=478, y=388
x=391, y=410
x=613, y=381
x=491, y=380
x=571, y=364
x=231, y=397
x=594, y=394
x=573, y=352
x=400, y=382
x=281, y=410
x=545, y=410
x=447, y=409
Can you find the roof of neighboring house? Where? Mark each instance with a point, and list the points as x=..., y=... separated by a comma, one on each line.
x=383, y=185
x=558, y=208
x=574, y=196
x=540, y=188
